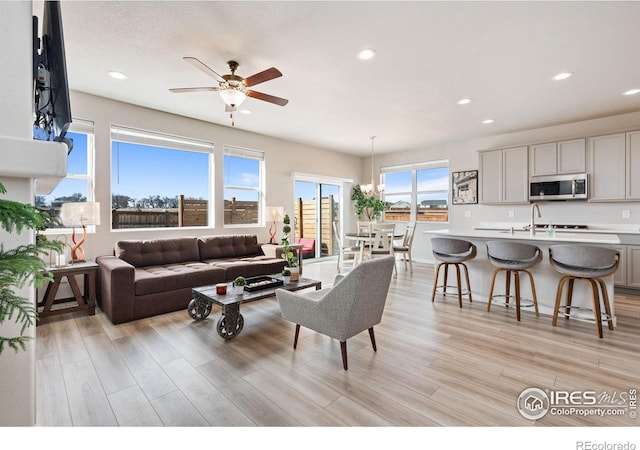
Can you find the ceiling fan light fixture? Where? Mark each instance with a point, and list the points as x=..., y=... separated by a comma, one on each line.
x=233, y=97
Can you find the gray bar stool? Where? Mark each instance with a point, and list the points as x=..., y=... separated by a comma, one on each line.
x=452, y=252
x=583, y=262
x=513, y=258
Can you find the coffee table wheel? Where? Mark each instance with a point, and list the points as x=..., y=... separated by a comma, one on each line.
x=198, y=310
x=225, y=332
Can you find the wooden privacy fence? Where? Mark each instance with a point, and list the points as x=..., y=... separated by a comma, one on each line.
x=307, y=222
x=423, y=215
x=192, y=213
x=144, y=218
x=240, y=211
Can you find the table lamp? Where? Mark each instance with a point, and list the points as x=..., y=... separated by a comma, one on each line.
x=79, y=214
x=275, y=214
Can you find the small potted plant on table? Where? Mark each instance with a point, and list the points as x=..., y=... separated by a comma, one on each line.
x=238, y=285
x=286, y=276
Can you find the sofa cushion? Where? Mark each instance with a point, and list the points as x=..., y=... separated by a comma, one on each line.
x=169, y=277
x=154, y=252
x=232, y=246
x=248, y=267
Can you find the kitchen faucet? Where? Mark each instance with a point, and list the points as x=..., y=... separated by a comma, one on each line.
x=532, y=225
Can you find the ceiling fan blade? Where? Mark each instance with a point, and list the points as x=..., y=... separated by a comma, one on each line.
x=202, y=66
x=268, y=98
x=194, y=89
x=263, y=76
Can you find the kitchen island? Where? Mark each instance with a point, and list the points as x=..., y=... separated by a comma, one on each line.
x=546, y=278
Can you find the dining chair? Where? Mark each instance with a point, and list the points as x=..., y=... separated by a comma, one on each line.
x=382, y=242
x=365, y=228
x=403, y=247
x=346, y=253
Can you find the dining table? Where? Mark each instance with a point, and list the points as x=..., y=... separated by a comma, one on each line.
x=363, y=238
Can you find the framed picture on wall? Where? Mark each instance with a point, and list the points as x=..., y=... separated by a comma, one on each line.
x=464, y=187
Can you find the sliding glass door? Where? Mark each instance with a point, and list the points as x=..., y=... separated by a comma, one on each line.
x=317, y=205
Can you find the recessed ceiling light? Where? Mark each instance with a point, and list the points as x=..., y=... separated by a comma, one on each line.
x=245, y=111
x=117, y=75
x=562, y=76
x=464, y=101
x=631, y=92
x=367, y=53
x=487, y=121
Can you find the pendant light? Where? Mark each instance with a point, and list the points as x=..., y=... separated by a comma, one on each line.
x=372, y=188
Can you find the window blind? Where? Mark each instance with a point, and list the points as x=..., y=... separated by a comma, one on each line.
x=243, y=153
x=153, y=138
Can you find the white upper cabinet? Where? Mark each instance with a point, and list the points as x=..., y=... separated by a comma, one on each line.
x=543, y=159
x=504, y=176
x=572, y=156
x=560, y=157
x=607, y=164
x=633, y=165
x=490, y=165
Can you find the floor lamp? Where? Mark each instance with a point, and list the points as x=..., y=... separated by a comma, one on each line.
x=275, y=214
x=79, y=214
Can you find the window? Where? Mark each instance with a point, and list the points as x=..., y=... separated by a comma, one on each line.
x=420, y=193
x=432, y=194
x=243, y=181
x=158, y=180
x=78, y=185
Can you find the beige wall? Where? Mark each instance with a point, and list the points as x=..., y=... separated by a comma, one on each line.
x=282, y=159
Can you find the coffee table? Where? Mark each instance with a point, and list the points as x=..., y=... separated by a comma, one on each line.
x=231, y=322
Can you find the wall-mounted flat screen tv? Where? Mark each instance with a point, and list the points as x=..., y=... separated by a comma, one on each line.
x=51, y=88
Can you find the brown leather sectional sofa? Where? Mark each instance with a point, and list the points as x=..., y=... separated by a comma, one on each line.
x=148, y=277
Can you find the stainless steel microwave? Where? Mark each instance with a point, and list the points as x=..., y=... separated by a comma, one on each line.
x=559, y=187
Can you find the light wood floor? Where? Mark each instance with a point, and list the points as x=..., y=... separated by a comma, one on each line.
x=436, y=365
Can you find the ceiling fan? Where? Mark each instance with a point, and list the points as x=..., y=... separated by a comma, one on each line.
x=233, y=88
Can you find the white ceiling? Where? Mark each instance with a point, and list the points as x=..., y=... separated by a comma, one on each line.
x=429, y=55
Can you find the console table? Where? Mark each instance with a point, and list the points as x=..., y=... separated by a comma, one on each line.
x=86, y=302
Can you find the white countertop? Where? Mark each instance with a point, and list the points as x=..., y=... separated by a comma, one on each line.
x=582, y=236
x=633, y=229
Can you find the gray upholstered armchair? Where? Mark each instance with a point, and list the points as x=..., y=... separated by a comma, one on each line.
x=355, y=303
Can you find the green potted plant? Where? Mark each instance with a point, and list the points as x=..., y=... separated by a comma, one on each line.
x=21, y=266
x=286, y=276
x=367, y=207
x=287, y=252
x=238, y=284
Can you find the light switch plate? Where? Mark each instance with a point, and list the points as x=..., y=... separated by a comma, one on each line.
x=626, y=213
x=467, y=213
x=511, y=213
